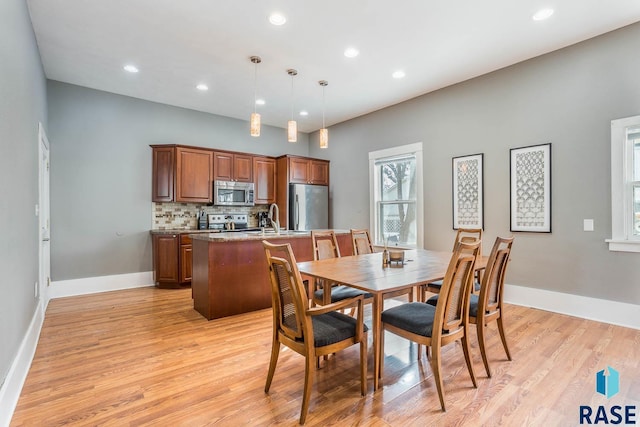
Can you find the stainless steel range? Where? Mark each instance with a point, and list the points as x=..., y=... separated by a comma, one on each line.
x=228, y=222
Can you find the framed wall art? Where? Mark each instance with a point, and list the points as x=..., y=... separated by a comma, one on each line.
x=530, y=184
x=468, y=206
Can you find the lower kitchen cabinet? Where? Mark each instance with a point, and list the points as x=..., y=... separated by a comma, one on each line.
x=172, y=259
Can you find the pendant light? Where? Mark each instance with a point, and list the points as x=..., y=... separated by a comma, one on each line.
x=324, y=134
x=292, y=126
x=255, y=117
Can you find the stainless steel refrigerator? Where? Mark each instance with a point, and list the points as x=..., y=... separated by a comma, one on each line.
x=308, y=207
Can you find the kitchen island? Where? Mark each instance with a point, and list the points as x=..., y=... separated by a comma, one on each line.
x=230, y=274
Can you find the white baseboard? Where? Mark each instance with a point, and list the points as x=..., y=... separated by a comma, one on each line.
x=92, y=285
x=601, y=310
x=12, y=386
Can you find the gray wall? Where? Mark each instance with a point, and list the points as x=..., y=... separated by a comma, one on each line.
x=22, y=106
x=101, y=172
x=567, y=98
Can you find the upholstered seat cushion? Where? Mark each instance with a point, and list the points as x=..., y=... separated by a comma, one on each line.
x=438, y=284
x=473, y=304
x=341, y=292
x=333, y=327
x=415, y=317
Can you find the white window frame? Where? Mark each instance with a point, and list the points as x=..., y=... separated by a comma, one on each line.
x=622, y=238
x=374, y=188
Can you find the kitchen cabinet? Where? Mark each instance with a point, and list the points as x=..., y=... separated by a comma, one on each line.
x=181, y=174
x=297, y=170
x=233, y=166
x=264, y=174
x=172, y=260
x=308, y=171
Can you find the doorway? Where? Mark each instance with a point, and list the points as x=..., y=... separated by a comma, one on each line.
x=44, y=252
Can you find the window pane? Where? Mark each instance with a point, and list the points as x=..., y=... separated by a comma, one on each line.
x=398, y=223
x=398, y=180
x=636, y=210
x=636, y=160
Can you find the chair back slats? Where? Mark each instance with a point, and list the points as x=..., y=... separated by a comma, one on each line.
x=493, y=279
x=453, y=303
x=286, y=290
x=361, y=241
x=468, y=235
x=325, y=245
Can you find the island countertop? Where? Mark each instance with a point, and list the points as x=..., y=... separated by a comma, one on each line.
x=256, y=235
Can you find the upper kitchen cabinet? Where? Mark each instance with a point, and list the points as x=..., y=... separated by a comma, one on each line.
x=264, y=174
x=308, y=171
x=182, y=174
x=233, y=167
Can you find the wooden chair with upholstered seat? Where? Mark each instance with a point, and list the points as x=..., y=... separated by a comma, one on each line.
x=325, y=246
x=311, y=332
x=487, y=307
x=445, y=323
x=466, y=235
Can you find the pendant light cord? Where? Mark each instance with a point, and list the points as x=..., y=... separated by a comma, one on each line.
x=255, y=87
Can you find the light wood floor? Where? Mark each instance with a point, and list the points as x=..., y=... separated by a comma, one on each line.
x=145, y=357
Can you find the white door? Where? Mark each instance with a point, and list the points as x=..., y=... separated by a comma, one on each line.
x=42, y=293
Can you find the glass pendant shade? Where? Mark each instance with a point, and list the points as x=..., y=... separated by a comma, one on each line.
x=255, y=124
x=292, y=131
x=324, y=138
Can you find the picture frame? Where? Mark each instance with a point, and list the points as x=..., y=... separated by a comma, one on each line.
x=530, y=188
x=468, y=191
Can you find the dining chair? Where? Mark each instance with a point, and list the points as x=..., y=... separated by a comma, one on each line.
x=325, y=246
x=361, y=242
x=444, y=323
x=311, y=332
x=487, y=307
x=466, y=235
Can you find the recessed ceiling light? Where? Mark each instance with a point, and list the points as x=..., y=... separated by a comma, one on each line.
x=202, y=87
x=304, y=113
x=260, y=102
x=131, y=68
x=351, y=52
x=398, y=74
x=277, y=19
x=542, y=14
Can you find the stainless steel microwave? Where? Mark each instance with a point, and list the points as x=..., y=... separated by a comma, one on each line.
x=232, y=193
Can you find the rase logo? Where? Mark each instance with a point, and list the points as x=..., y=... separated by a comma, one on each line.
x=608, y=384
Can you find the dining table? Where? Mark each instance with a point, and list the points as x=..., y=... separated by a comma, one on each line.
x=367, y=273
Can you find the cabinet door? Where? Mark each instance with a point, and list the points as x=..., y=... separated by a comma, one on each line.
x=242, y=167
x=223, y=166
x=264, y=171
x=194, y=169
x=166, y=258
x=299, y=171
x=162, y=187
x=319, y=171
x=186, y=259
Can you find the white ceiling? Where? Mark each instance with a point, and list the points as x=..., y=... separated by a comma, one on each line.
x=177, y=44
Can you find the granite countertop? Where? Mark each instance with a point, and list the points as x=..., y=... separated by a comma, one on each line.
x=255, y=235
x=178, y=231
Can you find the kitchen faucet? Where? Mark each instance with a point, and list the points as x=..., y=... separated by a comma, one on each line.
x=275, y=224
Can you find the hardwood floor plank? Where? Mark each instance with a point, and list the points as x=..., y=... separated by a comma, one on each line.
x=144, y=357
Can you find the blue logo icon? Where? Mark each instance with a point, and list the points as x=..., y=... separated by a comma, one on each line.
x=608, y=385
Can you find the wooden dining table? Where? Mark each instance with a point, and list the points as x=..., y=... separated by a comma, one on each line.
x=365, y=272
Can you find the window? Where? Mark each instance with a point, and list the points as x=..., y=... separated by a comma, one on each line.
x=395, y=178
x=625, y=185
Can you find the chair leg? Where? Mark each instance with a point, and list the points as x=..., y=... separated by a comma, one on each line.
x=363, y=365
x=309, y=372
x=467, y=356
x=435, y=367
x=275, y=350
x=503, y=336
x=381, y=367
x=480, y=328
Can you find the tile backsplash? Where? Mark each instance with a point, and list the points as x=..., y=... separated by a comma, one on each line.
x=184, y=216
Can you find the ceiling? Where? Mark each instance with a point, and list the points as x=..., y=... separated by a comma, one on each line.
x=177, y=44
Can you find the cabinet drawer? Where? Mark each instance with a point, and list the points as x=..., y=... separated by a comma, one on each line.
x=185, y=239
